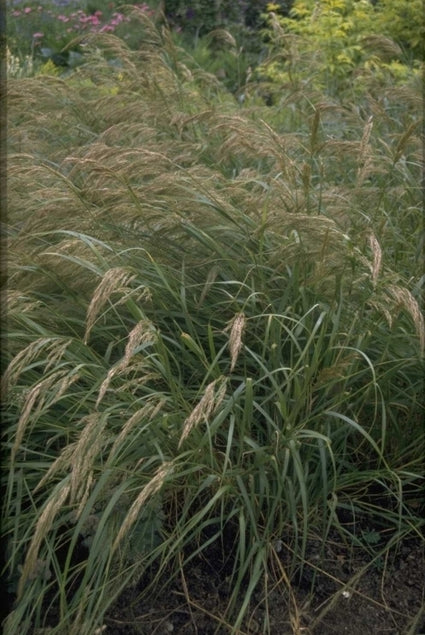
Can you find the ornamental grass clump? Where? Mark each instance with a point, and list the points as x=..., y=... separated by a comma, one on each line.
x=210, y=334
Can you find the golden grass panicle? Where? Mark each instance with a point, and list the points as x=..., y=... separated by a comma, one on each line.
x=144, y=414
x=364, y=143
x=116, y=280
x=404, y=139
x=235, y=338
x=377, y=258
x=86, y=450
x=62, y=464
x=406, y=300
x=151, y=488
x=44, y=523
x=57, y=353
x=48, y=390
x=15, y=302
x=21, y=361
x=211, y=399
x=382, y=47
x=382, y=307
x=314, y=145
x=142, y=333
x=364, y=158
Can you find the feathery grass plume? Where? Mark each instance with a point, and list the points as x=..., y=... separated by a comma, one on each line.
x=364, y=158
x=142, y=334
x=22, y=360
x=236, y=326
x=405, y=300
x=35, y=101
x=149, y=490
x=245, y=142
x=74, y=262
x=377, y=258
x=382, y=46
x=15, y=302
x=314, y=144
x=60, y=465
x=102, y=46
x=147, y=413
x=211, y=399
x=404, y=139
x=382, y=308
x=57, y=354
x=365, y=170
x=47, y=391
x=52, y=509
x=115, y=280
x=86, y=451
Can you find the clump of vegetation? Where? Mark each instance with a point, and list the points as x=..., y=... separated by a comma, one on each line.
x=54, y=30
x=213, y=326
x=338, y=45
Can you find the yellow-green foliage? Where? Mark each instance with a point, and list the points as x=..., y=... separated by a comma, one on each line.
x=403, y=20
x=341, y=38
x=49, y=68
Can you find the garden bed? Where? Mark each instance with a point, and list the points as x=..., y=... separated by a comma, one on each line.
x=387, y=599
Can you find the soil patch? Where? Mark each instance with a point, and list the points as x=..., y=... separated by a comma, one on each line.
x=386, y=597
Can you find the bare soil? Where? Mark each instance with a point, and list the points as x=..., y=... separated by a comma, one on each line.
x=385, y=597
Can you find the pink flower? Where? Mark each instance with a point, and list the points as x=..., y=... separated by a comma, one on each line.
x=27, y=10
x=37, y=35
x=16, y=13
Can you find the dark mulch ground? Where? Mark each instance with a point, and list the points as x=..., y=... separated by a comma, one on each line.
x=387, y=598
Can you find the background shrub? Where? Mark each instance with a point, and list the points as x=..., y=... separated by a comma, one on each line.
x=302, y=50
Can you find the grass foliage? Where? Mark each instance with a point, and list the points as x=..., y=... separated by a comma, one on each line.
x=213, y=329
